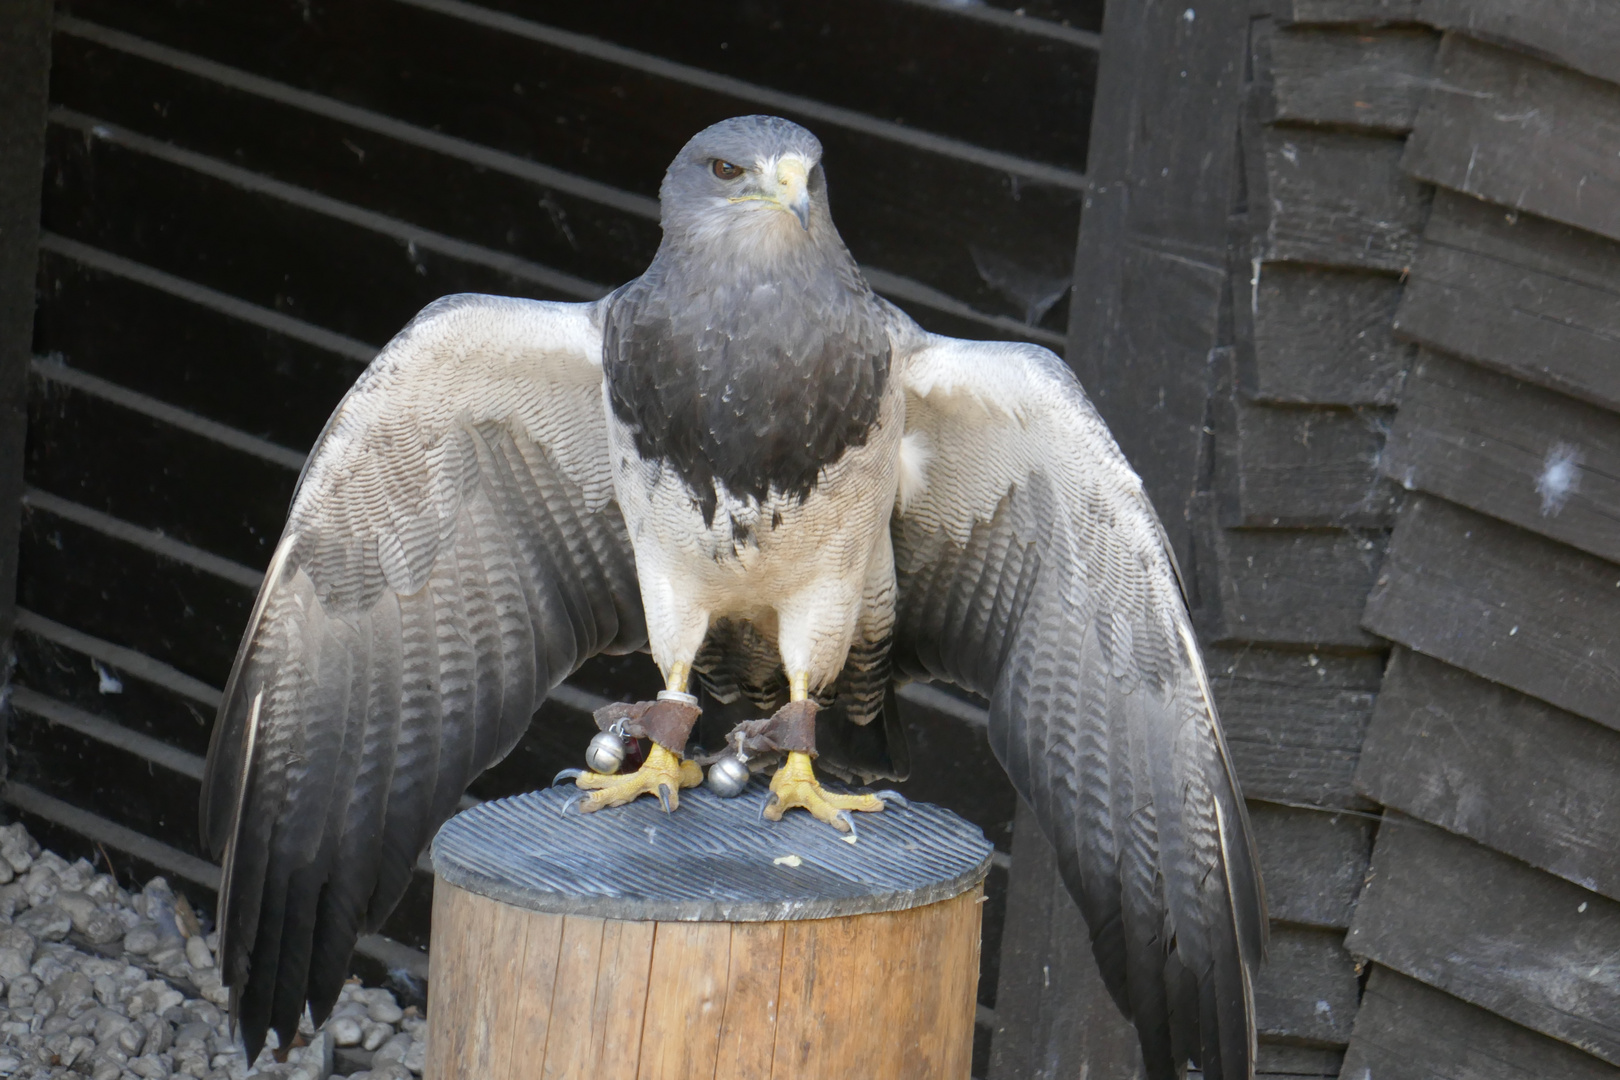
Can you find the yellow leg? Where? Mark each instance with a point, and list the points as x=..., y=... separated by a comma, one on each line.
x=795, y=782
x=662, y=775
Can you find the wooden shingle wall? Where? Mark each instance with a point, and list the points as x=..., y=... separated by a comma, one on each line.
x=1492, y=914
x=243, y=199
x=1402, y=525
x=1297, y=515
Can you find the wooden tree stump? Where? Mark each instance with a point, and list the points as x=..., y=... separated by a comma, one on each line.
x=704, y=943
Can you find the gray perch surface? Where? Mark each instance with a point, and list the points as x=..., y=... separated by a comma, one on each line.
x=712, y=860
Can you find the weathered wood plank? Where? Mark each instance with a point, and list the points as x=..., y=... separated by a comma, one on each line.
x=1282, y=1061
x=1582, y=34
x=1375, y=12
x=1503, y=603
x=1531, y=297
x=1522, y=133
x=1150, y=276
x=1539, y=459
x=1507, y=770
x=1332, y=197
x=1052, y=1009
x=1408, y=1031
x=1319, y=336
x=1301, y=467
x=1312, y=862
x=1491, y=930
x=1294, y=721
x=1306, y=990
x=1355, y=77
x=1284, y=586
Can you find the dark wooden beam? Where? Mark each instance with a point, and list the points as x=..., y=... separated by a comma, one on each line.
x=1151, y=267
x=1144, y=330
x=25, y=55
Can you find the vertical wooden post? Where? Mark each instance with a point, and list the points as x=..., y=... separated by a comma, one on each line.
x=25, y=55
x=705, y=943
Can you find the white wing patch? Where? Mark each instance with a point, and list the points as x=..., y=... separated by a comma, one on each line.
x=915, y=455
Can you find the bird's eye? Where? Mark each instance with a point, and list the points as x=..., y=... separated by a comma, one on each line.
x=725, y=170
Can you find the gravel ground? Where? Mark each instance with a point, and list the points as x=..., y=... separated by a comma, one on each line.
x=99, y=982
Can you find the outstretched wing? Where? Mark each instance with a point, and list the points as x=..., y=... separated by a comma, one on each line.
x=453, y=552
x=1032, y=570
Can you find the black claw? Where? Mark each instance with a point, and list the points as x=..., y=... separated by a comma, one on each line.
x=571, y=801
x=886, y=796
x=849, y=819
x=771, y=799
x=663, y=796
x=567, y=774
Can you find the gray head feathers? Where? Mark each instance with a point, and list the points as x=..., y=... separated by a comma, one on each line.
x=753, y=321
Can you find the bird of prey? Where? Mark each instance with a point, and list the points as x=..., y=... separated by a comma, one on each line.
x=747, y=463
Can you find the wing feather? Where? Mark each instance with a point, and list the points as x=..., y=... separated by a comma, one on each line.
x=453, y=552
x=1032, y=570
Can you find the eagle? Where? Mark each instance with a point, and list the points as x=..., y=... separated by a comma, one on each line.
x=749, y=464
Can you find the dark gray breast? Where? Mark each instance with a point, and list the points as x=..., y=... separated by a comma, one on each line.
x=756, y=379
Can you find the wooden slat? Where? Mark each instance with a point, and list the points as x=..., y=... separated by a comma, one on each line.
x=1283, y=1061
x=1294, y=721
x=1507, y=770
x=155, y=475
x=1375, y=12
x=105, y=779
x=148, y=91
x=1489, y=929
x=902, y=208
x=1521, y=294
x=230, y=233
x=1530, y=456
x=1503, y=603
x=75, y=678
x=1332, y=198
x=1319, y=336
x=1302, y=467
x=1522, y=133
x=109, y=325
x=171, y=611
x=1312, y=862
x=1582, y=34
x=1307, y=990
x=1409, y=1031
x=1355, y=77
x=1284, y=586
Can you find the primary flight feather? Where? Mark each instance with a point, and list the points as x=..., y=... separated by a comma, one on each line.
x=747, y=463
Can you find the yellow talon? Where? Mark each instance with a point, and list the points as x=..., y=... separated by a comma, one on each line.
x=795, y=784
x=662, y=776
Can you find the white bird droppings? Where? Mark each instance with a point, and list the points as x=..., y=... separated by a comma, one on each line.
x=1560, y=477
x=787, y=860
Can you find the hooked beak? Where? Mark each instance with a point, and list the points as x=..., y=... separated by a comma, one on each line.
x=792, y=189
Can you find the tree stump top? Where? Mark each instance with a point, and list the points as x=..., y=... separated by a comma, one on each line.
x=712, y=860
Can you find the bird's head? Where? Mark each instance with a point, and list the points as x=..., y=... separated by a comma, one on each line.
x=753, y=182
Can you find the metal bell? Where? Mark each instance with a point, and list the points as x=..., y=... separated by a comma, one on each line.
x=605, y=753
x=728, y=776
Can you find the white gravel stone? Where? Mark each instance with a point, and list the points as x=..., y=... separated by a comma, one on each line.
x=345, y=1030
x=375, y=1035
x=197, y=954
x=71, y=1015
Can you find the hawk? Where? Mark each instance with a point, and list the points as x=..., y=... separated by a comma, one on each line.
x=747, y=463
